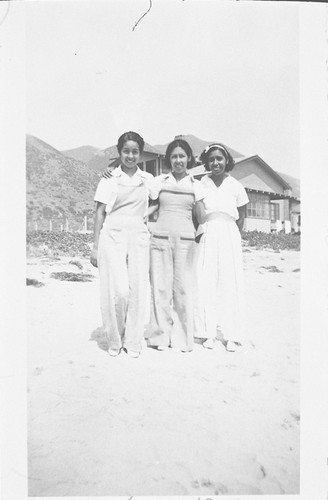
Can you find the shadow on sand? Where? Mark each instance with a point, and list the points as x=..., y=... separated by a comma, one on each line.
x=99, y=336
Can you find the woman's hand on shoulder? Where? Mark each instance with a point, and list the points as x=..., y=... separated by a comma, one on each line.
x=107, y=174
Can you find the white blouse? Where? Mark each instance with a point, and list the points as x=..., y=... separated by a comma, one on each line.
x=225, y=198
x=109, y=189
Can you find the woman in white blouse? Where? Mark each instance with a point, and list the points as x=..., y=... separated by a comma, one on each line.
x=220, y=265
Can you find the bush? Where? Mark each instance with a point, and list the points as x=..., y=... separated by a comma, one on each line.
x=59, y=243
x=79, y=244
x=276, y=241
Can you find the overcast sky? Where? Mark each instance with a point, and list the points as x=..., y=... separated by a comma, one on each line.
x=225, y=71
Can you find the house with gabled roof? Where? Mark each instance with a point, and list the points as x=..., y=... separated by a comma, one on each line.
x=272, y=206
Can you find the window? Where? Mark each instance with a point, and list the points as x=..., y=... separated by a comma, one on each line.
x=258, y=205
x=274, y=211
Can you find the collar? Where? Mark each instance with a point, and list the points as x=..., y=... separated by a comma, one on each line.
x=117, y=172
x=210, y=182
x=171, y=176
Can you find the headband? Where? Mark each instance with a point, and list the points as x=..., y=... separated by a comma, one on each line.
x=215, y=146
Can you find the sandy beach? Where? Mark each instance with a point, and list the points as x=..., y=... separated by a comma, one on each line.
x=167, y=423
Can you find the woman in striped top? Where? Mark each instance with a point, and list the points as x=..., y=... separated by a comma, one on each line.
x=172, y=252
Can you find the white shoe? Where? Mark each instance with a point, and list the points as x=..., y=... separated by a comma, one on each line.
x=133, y=354
x=209, y=344
x=114, y=352
x=231, y=346
x=162, y=347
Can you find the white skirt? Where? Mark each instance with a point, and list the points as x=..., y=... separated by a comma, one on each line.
x=219, y=309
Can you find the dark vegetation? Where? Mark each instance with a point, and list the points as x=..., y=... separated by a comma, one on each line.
x=33, y=282
x=59, y=243
x=275, y=241
x=66, y=276
x=54, y=243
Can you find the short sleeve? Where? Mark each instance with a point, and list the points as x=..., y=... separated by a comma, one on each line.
x=106, y=191
x=155, y=186
x=200, y=190
x=242, y=198
x=149, y=183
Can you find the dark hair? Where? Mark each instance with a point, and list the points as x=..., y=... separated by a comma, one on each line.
x=130, y=136
x=179, y=143
x=221, y=147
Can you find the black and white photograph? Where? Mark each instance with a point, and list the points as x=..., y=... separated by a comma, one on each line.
x=167, y=333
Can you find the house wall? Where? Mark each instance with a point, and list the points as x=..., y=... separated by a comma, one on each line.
x=252, y=166
x=151, y=162
x=258, y=206
x=284, y=210
x=252, y=224
x=259, y=214
x=163, y=167
x=295, y=206
x=295, y=215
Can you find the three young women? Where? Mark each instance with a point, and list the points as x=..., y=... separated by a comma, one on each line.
x=121, y=250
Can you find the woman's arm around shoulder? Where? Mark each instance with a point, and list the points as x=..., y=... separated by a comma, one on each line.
x=155, y=186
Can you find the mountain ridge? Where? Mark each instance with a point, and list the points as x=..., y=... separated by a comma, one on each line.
x=197, y=145
x=81, y=153
x=57, y=186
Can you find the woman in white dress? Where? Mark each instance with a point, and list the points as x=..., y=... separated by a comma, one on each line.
x=121, y=248
x=220, y=265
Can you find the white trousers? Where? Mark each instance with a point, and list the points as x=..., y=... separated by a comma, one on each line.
x=123, y=262
x=219, y=312
x=172, y=286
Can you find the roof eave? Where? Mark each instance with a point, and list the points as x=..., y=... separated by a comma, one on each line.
x=268, y=168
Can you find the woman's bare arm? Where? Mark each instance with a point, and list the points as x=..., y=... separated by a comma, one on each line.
x=99, y=220
x=153, y=207
x=199, y=211
x=240, y=221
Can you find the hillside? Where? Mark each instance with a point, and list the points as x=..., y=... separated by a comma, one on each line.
x=294, y=184
x=83, y=153
x=56, y=186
